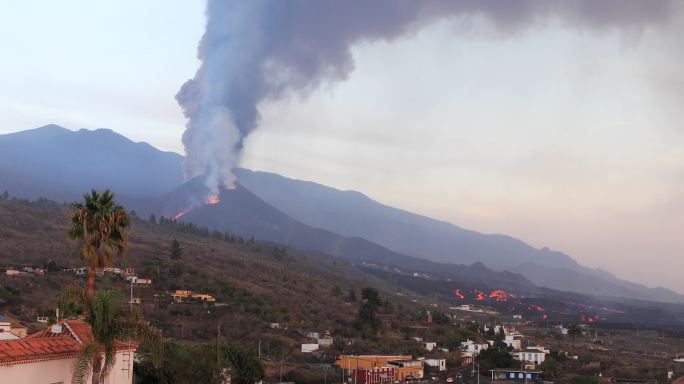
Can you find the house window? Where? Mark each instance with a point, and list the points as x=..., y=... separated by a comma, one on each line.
x=511, y=375
x=520, y=375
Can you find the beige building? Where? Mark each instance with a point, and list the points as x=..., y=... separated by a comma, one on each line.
x=184, y=295
x=403, y=365
x=10, y=330
x=48, y=356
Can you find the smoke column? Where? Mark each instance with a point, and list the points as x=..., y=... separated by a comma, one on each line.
x=256, y=50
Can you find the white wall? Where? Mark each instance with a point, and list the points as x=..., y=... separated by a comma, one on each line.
x=59, y=371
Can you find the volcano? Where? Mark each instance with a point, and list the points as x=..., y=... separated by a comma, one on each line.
x=240, y=212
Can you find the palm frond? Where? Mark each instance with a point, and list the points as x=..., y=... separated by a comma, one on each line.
x=110, y=359
x=83, y=366
x=132, y=324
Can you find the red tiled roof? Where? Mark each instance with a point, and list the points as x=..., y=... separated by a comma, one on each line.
x=76, y=329
x=30, y=350
x=48, y=345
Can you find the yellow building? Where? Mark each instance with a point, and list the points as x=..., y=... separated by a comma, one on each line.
x=203, y=297
x=180, y=295
x=404, y=365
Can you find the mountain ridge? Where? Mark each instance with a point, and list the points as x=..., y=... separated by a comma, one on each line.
x=41, y=162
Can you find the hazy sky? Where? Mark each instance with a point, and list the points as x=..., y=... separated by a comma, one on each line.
x=565, y=137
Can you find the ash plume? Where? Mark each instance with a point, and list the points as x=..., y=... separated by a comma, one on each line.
x=256, y=50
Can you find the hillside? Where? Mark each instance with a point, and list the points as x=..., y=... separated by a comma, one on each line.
x=240, y=211
x=60, y=164
x=256, y=283
x=351, y=213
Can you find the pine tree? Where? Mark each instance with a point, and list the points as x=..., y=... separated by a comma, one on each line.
x=152, y=219
x=175, y=250
x=351, y=296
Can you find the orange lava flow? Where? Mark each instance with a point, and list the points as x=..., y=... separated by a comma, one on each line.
x=211, y=200
x=500, y=295
x=180, y=214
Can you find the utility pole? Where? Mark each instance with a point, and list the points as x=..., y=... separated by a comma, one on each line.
x=218, y=335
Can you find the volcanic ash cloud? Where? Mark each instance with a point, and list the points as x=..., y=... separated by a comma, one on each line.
x=256, y=50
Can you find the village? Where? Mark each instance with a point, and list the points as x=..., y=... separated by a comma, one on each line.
x=494, y=341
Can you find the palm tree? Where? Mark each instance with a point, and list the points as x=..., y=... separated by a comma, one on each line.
x=110, y=321
x=100, y=225
x=574, y=330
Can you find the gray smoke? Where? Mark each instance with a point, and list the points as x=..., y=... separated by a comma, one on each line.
x=255, y=50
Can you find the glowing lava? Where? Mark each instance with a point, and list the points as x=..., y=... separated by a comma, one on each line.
x=479, y=295
x=180, y=214
x=212, y=199
x=459, y=294
x=500, y=295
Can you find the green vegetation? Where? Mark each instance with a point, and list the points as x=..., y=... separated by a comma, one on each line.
x=551, y=369
x=351, y=297
x=367, y=321
x=574, y=330
x=497, y=356
x=203, y=363
x=176, y=253
x=109, y=322
x=100, y=225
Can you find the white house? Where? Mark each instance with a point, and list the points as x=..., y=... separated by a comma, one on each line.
x=430, y=345
x=471, y=347
x=49, y=356
x=325, y=341
x=513, y=341
x=308, y=348
x=539, y=348
x=531, y=355
x=6, y=329
x=440, y=364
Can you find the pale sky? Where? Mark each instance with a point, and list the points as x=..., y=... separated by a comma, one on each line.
x=563, y=137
